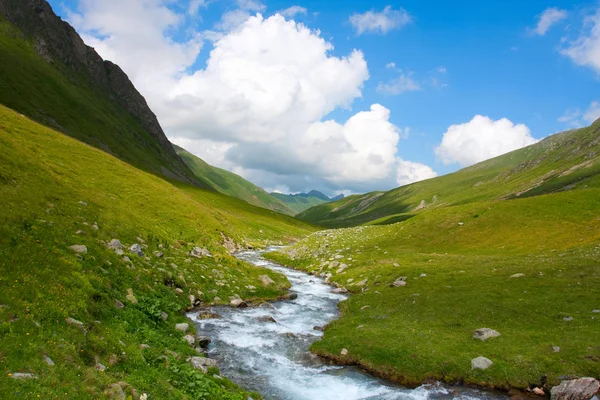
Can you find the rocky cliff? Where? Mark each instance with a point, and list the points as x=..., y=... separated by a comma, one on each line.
x=58, y=43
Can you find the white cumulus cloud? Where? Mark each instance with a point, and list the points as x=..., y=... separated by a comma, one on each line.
x=409, y=172
x=258, y=107
x=480, y=139
x=380, y=22
x=585, y=50
x=549, y=17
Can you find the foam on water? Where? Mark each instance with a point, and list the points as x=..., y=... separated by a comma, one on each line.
x=273, y=358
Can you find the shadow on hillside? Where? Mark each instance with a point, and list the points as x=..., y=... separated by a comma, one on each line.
x=395, y=218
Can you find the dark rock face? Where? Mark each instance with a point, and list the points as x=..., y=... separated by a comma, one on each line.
x=58, y=43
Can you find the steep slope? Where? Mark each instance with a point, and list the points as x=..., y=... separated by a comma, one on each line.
x=302, y=201
x=57, y=192
x=560, y=162
x=231, y=184
x=50, y=75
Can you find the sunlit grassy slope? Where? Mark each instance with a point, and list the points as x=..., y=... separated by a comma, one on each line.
x=231, y=184
x=560, y=162
x=458, y=240
x=54, y=192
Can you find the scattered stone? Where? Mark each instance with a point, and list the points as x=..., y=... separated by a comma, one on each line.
x=341, y=268
x=23, y=375
x=363, y=282
x=119, y=305
x=82, y=203
x=266, y=280
x=556, y=349
x=136, y=249
x=49, y=361
x=481, y=363
x=485, y=333
x=158, y=254
x=364, y=307
x=203, y=341
x=203, y=363
x=164, y=315
x=115, y=244
x=568, y=319
x=575, y=389
x=399, y=282
x=423, y=275
x=178, y=290
x=78, y=248
x=216, y=299
x=596, y=311
x=190, y=339
x=199, y=253
x=519, y=275
x=266, y=318
x=101, y=367
x=95, y=226
x=461, y=223
x=130, y=296
x=538, y=391
x=238, y=303
x=76, y=323
x=126, y=259
x=344, y=352
x=208, y=315
x=183, y=327
x=340, y=290
x=396, y=265
x=80, y=232
x=144, y=346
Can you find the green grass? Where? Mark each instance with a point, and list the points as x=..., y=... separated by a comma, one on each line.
x=424, y=329
x=50, y=94
x=44, y=175
x=560, y=162
x=298, y=203
x=231, y=184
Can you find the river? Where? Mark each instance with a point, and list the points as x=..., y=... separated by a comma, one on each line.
x=273, y=358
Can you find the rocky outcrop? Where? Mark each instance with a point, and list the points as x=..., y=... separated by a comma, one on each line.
x=576, y=389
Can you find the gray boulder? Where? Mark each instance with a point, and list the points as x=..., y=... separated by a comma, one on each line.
x=136, y=249
x=481, y=363
x=200, y=252
x=78, y=249
x=203, y=363
x=115, y=244
x=182, y=327
x=190, y=339
x=575, y=389
x=203, y=341
x=23, y=375
x=399, y=282
x=238, y=303
x=485, y=333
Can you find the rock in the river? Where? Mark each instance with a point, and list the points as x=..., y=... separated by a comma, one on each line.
x=575, y=389
x=290, y=296
x=190, y=339
x=78, y=249
x=485, y=333
x=538, y=391
x=208, y=315
x=238, y=303
x=266, y=318
x=183, y=327
x=266, y=280
x=136, y=249
x=203, y=341
x=200, y=252
x=23, y=375
x=517, y=275
x=115, y=244
x=481, y=363
x=344, y=352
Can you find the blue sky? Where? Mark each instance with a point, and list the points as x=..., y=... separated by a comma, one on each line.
x=466, y=57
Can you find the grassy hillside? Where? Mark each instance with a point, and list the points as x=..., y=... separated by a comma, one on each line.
x=560, y=162
x=458, y=264
x=303, y=201
x=231, y=184
x=72, y=103
x=57, y=192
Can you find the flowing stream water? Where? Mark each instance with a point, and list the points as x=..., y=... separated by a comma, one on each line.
x=273, y=359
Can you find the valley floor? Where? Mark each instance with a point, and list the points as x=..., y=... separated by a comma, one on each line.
x=528, y=269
